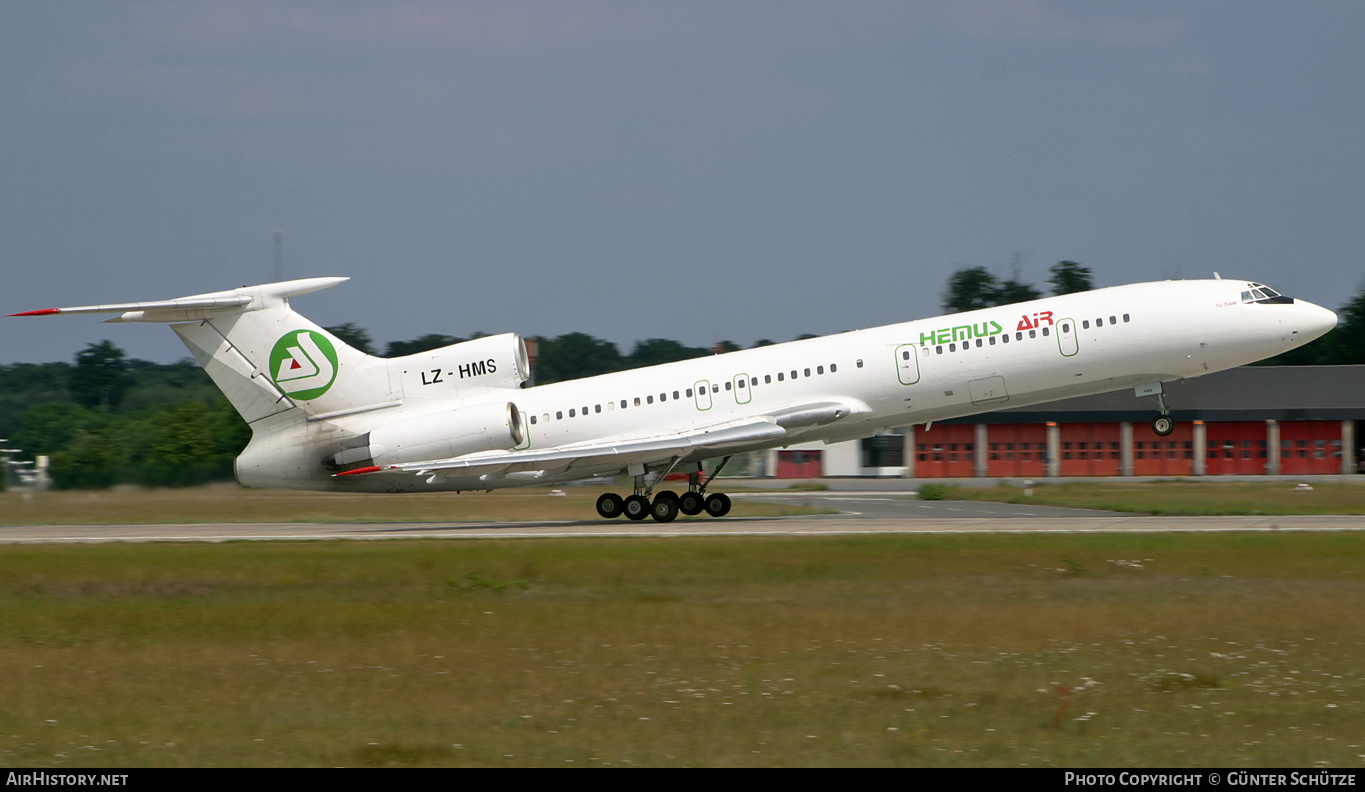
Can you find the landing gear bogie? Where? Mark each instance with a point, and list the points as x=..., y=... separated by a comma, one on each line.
x=665, y=507
x=610, y=505
x=637, y=507
x=691, y=503
x=717, y=504
x=1163, y=425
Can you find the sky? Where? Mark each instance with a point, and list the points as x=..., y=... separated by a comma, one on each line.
x=698, y=171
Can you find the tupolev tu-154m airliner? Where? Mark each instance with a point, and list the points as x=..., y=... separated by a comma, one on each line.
x=325, y=416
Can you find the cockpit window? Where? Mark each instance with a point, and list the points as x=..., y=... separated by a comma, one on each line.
x=1257, y=293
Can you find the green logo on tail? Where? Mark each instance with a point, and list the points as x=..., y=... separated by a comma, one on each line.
x=304, y=364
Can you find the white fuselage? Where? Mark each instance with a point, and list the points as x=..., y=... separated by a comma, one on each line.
x=901, y=374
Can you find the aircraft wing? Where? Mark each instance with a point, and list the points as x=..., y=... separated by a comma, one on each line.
x=610, y=455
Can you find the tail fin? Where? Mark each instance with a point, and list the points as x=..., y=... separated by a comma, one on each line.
x=266, y=358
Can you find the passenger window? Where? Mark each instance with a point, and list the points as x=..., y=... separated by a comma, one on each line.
x=1005, y=338
x=1125, y=318
x=637, y=401
x=663, y=397
x=938, y=350
x=860, y=363
x=1066, y=328
x=1085, y=325
x=978, y=343
x=807, y=372
x=753, y=380
x=793, y=374
x=689, y=393
x=1099, y=322
x=571, y=412
x=821, y=369
x=675, y=395
x=597, y=408
x=1112, y=320
x=992, y=340
x=781, y=377
x=623, y=404
x=833, y=367
x=715, y=389
x=727, y=385
x=559, y=415
x=1033, y=334
x=768, y=379
x=952, y=347
x=585, y=409
x=740, y=383
x=1018, y=336
x=533, y=420
x=649, y=399
x=1046, y=332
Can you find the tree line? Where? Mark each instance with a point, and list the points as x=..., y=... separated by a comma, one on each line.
x=106, y=419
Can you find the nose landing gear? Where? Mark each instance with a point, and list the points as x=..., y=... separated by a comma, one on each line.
x=1163, y=424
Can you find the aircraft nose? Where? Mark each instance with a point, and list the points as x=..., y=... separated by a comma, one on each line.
x=1314, y=320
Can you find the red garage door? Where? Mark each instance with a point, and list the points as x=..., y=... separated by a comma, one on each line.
x=1310, y=447
x=1163, y=456
x=1236, y=447
x=945, y=451
x=799, y=464
x=1017, y=450
x=1090, y=449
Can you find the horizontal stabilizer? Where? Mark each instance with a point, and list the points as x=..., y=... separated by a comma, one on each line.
x=200, y=306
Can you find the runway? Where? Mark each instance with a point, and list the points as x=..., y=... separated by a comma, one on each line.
x=861, y=513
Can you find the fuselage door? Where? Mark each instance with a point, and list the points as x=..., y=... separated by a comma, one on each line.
x=907, y=363
x=703, y=391
x=741, y=386
x=1067, y=338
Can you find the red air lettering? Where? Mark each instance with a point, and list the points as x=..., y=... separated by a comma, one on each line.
x=1038, y=320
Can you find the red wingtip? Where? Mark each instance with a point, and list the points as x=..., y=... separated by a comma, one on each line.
x=43, y=312
x=358, y=471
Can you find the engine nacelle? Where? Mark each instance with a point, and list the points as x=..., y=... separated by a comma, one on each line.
x=498, y=361
x=440, y=435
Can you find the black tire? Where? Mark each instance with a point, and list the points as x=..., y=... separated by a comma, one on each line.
x=717, y=504
x=691, y=504
x=1163, y=425
x=664, y=508
x=636, y=507
x=610, y=505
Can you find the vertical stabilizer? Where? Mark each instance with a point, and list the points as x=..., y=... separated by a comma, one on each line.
x=267, y=359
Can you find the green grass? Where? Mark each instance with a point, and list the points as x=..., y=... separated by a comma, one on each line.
x=234, y=504
x=994, y=650
x=1271, y=497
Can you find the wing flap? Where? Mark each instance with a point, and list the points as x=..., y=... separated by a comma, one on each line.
x=590, y=457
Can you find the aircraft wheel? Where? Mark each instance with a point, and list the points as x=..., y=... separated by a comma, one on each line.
x=718, y=504
x=610, y=505
x=691, y=504
x=664, y=508
x=1162, y=425
x=636, y=507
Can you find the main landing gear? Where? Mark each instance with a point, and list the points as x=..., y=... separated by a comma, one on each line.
x=666, y=504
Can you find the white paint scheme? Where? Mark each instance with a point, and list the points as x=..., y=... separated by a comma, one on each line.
x=422, y=422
